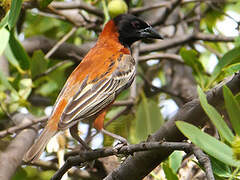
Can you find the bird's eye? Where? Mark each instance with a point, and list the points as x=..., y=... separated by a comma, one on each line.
x=136, y=24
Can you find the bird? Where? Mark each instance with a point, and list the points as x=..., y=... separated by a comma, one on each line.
x=106, y=70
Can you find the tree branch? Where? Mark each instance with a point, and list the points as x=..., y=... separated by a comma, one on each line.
x=11, y=158
x=70, y=51
x=151, y=7
x=134, y=168
x=21, y=126
x=127, y=150
x=49, y=165
x=163, y=4
x=79, y=5
x=204, y=160
x=51, y=69
x=169, y=56
x=175, y=41
x=60, y=42
x=64, y=51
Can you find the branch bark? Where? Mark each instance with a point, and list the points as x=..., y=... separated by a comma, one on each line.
x=11, y=158
x=175, y=41
x=139, y=165
x=65, y=50
x=169, y=56
x=204, y=160
x=79, y=5
x=128, y=150
x=70, y=51
x=21, y=126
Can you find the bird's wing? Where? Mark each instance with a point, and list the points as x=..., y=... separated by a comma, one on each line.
x=94, y=96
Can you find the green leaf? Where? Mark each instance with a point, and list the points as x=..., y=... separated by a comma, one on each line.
x=230, y=70
x=59, y=75
x=17, y=79
x=211, y=18
x=233, y=109
x=155, y=176
x=20, y=174
x=237, y=41
x=207, y=143
x=220, y=169
x=36, y=174
x=25, y=87
x=5, y=82
x=238, y=98
x=230, y=57
x=48, y=88
x=38, y=63
x=19, y=52
x=148, y=118
x=190, y=57
x=14, y=12
x=215, y=117
x=4, y=34
x=121, y=126
x=46, y=26
x=175, y=160
x=4, y=21
x=12, y=59
x=170, y=175
x=44, y=3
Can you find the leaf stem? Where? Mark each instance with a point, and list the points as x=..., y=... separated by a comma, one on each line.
x=105, y=11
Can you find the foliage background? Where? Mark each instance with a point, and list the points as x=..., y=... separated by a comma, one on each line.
x=32, y=72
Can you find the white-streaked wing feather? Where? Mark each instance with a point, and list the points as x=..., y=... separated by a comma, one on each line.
x=94, y=97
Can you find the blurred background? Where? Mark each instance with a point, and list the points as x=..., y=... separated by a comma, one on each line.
x=42, y=41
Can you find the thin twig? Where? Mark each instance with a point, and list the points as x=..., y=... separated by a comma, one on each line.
x=196, y=1
x=161, y=89
x=59, y=43
x=225, y=14
x=209, y=48
x=51, y=69
x=16, y=128
x=163, y=4
x=181, y=40
x=123, y=102
x=147, y=8
x=169, y=56
x=11, y=157
x=50, y=15
x=50, y=165
x=5, y=111
x=127, y=150
x=79, y=5
x=125, y=110
x=204, y=160
x=145, y=162
x=54, y=11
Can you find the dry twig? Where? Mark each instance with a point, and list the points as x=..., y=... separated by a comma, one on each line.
x=127, y=150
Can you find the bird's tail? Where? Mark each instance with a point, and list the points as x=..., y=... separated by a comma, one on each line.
x=37, y=148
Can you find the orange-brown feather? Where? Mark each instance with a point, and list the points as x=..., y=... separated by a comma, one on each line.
x=99, y=63
x=99, y=121
x=95, y=65
x=53, y=121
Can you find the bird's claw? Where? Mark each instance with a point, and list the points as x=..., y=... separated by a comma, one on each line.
x=121, y=144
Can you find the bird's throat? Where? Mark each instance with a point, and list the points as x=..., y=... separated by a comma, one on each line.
x=110, y=37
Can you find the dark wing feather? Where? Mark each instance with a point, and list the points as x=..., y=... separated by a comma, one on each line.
x=94, y=97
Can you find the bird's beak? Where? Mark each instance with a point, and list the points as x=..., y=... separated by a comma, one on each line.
x=149, y=32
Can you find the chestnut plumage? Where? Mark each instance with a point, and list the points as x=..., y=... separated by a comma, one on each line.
x=106, y=70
